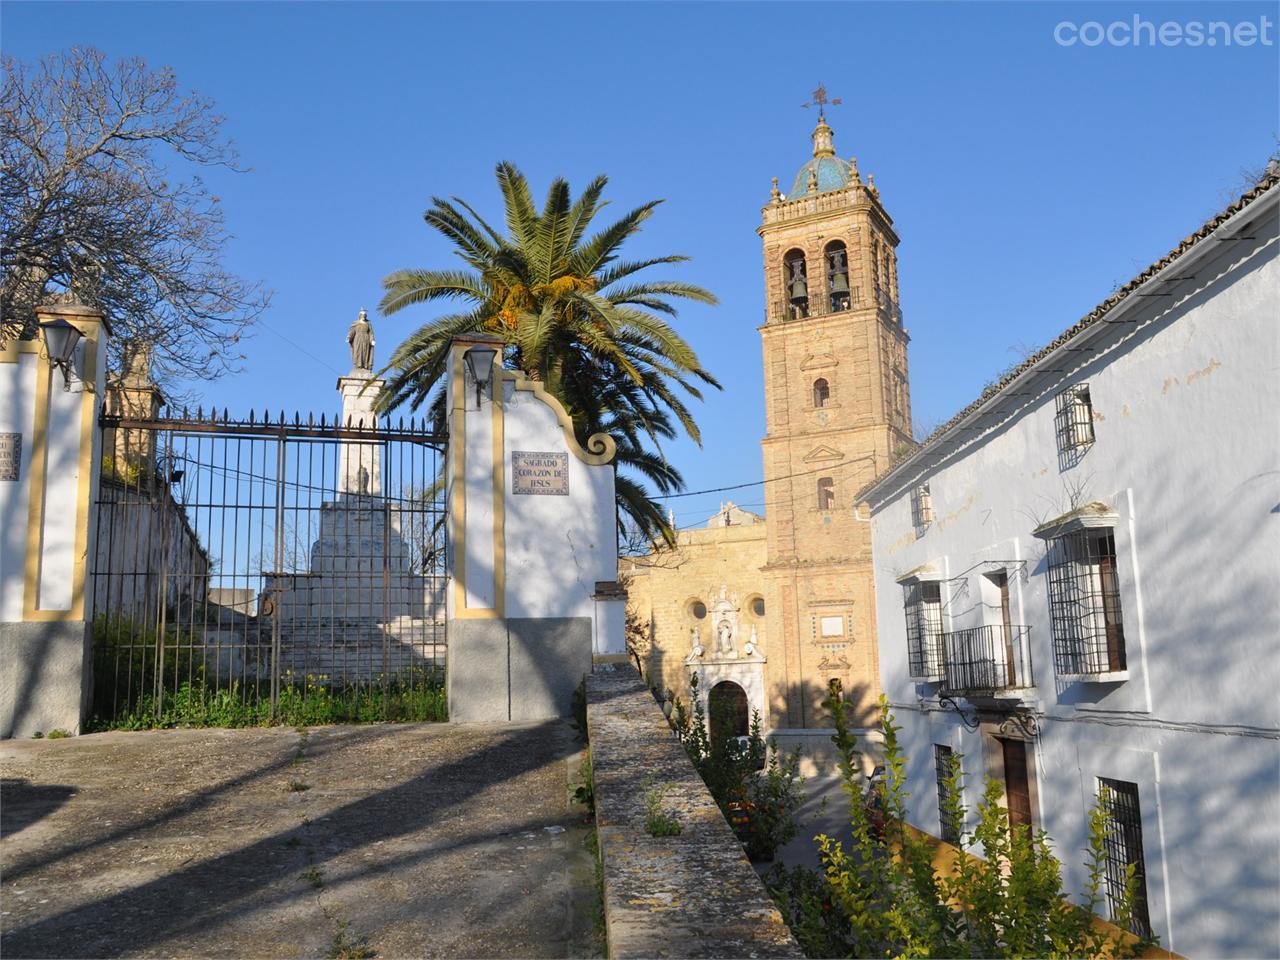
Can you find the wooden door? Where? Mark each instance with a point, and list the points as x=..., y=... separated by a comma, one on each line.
x=1106, y=550
x=1001, y=580
x=1017, y=785
x=730, y=712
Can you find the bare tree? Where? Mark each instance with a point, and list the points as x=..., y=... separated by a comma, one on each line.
x=90, y=210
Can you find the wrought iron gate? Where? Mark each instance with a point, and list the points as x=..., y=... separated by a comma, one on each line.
x=246, y=571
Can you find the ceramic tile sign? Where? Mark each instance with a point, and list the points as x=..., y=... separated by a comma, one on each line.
x=539, y=474
x=10, y=455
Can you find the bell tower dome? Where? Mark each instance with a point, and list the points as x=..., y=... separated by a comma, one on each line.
x=837, y=413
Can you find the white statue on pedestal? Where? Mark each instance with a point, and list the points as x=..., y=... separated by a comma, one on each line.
x=724, y=639
x=360, y=462
x=697, y=641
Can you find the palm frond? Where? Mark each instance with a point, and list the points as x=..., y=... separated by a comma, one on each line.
x=604, y=347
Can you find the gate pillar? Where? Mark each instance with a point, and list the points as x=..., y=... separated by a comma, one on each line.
x=49, y=453
x=532, y=544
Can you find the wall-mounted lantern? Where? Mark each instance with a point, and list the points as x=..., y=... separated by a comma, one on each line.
x=480, y=363
x=60, y=339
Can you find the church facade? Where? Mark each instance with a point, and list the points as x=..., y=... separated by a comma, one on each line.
x=775, y=607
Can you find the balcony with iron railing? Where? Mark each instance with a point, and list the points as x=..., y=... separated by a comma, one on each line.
x=987, y=662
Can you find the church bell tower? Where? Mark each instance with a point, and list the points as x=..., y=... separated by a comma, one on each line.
x=837, y=413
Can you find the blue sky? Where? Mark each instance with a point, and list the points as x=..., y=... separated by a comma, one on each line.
x=1027, y=180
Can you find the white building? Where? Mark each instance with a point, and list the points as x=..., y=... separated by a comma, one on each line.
x=1077, y=581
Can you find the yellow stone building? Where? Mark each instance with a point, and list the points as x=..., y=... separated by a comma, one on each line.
x=768, y=610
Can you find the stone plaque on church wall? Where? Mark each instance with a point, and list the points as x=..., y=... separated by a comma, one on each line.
x=539, y=474
x=10, y=455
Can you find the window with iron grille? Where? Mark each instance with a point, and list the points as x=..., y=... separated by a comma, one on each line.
x=1073, y=419
x=924, y=630
x=821, y=392
x=921, y=506
x=1119, y=800
x=950, y=830
x=1084, y=603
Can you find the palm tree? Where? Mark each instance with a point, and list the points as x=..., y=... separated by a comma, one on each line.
x=572, y=317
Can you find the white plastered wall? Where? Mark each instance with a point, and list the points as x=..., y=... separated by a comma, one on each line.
x=1187, y=455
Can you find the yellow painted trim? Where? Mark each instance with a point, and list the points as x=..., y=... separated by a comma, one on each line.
x=499, y=490
x=36, y=489
x=91, y=330
x=476, y=613
x=601, y=449
x=600, y=446
x=10, y=351
x=457, y=495
x=458, y=500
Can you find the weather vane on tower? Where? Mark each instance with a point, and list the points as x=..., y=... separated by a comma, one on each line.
x=821, y=100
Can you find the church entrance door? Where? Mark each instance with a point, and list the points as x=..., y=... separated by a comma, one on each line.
x=729, y=712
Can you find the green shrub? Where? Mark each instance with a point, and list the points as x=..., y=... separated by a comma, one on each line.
x=757, y=789
x=883, y=898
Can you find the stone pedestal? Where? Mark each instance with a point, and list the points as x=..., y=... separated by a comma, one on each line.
x=361, y=608
x=359, y=464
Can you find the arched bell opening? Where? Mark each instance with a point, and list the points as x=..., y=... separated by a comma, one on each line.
x=796, y=279
x=837, y=261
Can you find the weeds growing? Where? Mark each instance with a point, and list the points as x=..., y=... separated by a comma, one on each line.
x=125, y=697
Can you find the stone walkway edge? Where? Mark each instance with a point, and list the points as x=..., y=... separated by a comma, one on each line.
x=692, y=895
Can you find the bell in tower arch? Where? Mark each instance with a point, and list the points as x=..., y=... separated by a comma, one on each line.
x=838, y=277
x=798, y=286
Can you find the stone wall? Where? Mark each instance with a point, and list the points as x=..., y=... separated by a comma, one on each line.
x=693, y=895
x=662, y=589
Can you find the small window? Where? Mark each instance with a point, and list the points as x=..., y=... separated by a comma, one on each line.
x=1084, y=603
x=821, y=392
x=923, y=606
x=826, y=494
x=698, y=609
x=1119, y=801
x=921, y=506
x=832, y=626
x=757, y=607
x=1073, y=419
x=942, y=760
